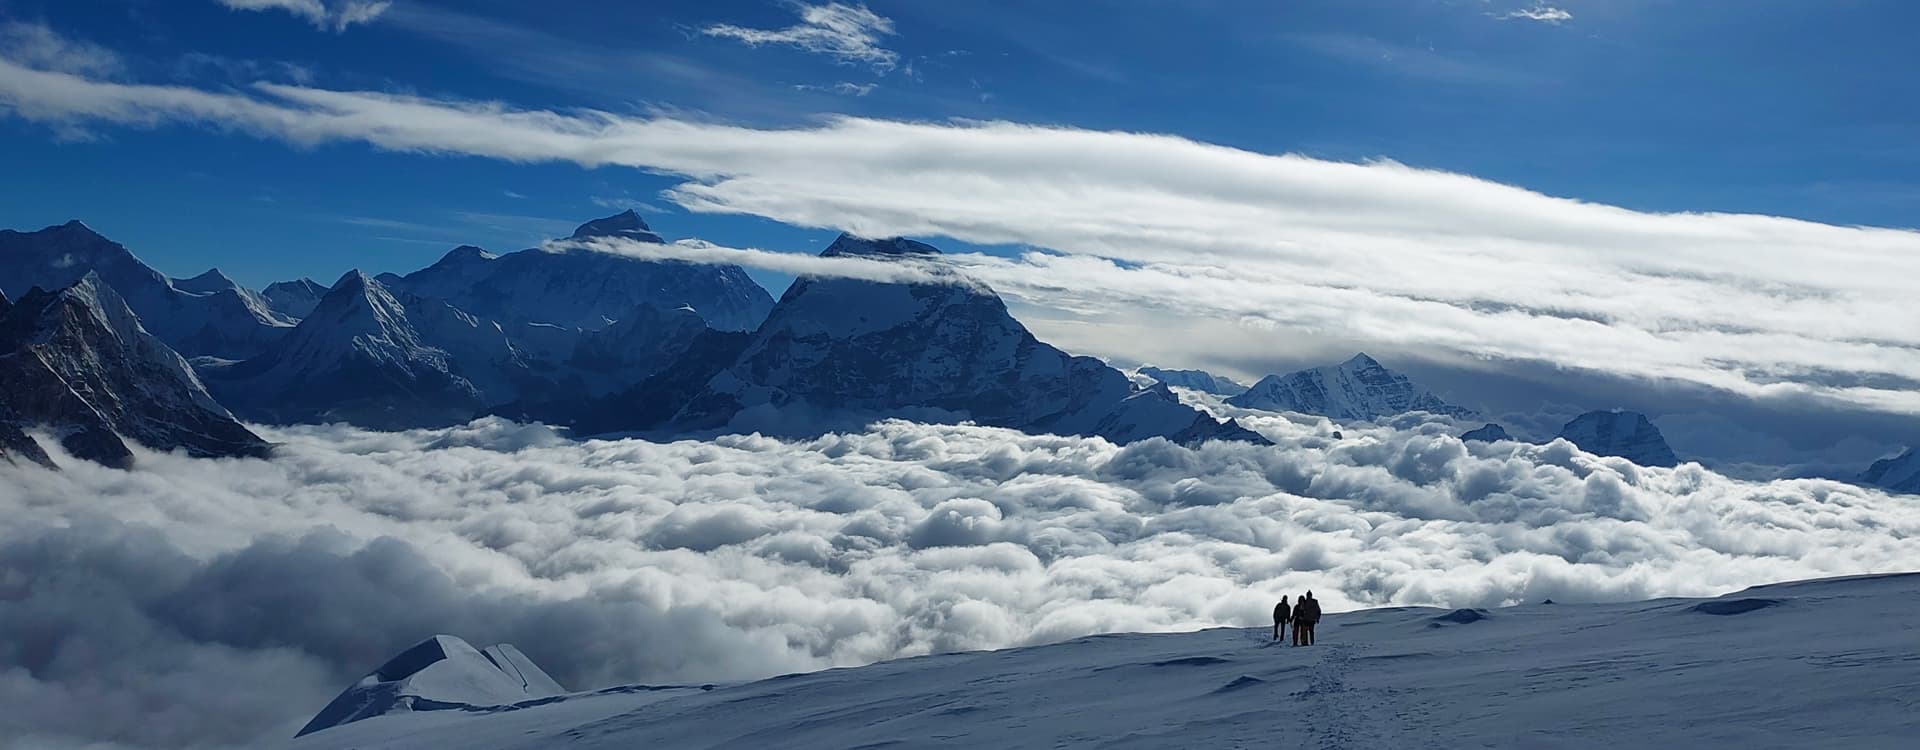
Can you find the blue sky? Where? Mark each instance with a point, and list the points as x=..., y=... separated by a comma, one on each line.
x=1805, y=109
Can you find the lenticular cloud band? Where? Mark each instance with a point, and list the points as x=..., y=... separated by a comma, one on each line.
x=627, y=561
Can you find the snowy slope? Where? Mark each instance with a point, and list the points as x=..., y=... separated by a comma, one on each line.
x=1626, y=434
x=1899, y=473
x=1359, y=388
x=587, y=289
x=77, y=363
x=1820, y=664
x=209, y=316
x=935, y=351
x=1199, y=380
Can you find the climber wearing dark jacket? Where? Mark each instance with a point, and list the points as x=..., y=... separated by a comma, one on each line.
x=1282, y=614
x=1306, y=614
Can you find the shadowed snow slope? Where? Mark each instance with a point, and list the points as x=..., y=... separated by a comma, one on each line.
x=1814, y=664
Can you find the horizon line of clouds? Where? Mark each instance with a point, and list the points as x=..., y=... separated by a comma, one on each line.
x=848, y=33
x=1377, y=251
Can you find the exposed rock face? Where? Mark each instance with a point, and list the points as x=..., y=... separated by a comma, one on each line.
x=1898, y=474
x=206, y=315
x=1357, y=389
x=946, y=349
x=1626, y=434
x=373, y=358
x=294, y=299
x=78, y=363
x=440, y=673
x=17, y=446
x=1199, y=380
x=1489, y=433
x=587, y=289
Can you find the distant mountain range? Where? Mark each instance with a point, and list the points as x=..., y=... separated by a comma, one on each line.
x=1357, y=389
x=595, y=340
x=1199, y=380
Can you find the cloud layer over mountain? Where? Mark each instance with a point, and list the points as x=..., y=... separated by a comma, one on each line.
x=1374, y=253
x=226, y=601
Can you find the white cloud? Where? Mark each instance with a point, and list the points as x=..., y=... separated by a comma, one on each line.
x=1380, y=254
x=206, y=603
x=847, y=33
x=36, y=46
x=844, y=87
x=1541, y=13
x=332, y=15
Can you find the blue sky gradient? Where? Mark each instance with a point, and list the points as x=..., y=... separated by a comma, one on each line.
x=1804, y=109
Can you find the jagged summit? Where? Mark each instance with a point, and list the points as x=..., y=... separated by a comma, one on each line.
x=466, y=252
x=849, y=244
x=626, y=224
x=1358, y=389
x=1624, y=434
x=78, y=361
x=835, y=346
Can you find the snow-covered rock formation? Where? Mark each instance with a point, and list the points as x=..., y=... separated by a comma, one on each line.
x=378, y=359
x=587, y=289
x=77, y=363
x=937, y=350
x=1357, y=389
x=440, y=673
x=1812, y=664
x=1199, y=380
x=1898, y=473
x=206, y=315
x=1487, y=433
x=294, y=299
x=1626, y=434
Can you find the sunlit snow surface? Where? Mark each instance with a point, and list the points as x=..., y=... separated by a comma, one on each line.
x=1806, y=665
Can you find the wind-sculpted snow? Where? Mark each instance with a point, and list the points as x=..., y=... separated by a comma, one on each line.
x=208, y=603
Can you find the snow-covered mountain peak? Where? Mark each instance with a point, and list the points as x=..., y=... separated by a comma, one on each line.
x=848, y=244
x=207, y=283
x=1358, y=389
x=78, y=360
x=1898, y=473
x=626, y=224
x=439, y=673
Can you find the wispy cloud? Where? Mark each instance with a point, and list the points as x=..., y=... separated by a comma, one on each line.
x=1376, y=252
x=330, y=15
x=843, y=87
x=847, y=33
x=37, y=46
x=513, y=195
x=1540, y=13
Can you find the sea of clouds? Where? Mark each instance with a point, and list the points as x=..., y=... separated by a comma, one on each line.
x=207, y=603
